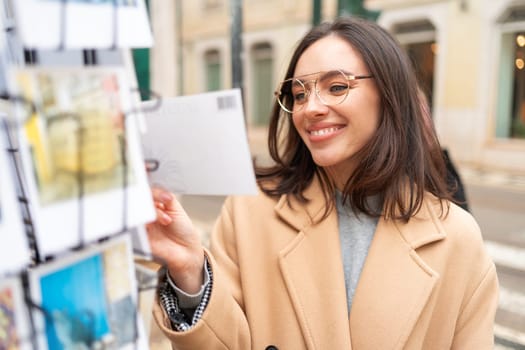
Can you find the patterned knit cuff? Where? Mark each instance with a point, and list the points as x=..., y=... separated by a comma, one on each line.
x=170, y=303
x=190, y=301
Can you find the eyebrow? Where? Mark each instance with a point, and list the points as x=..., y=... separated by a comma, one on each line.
x=299, y=77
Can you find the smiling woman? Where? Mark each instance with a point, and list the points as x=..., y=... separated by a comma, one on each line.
x=332, y=127
x=353, y=241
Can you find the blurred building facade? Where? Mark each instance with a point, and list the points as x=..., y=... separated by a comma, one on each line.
x=468, y=54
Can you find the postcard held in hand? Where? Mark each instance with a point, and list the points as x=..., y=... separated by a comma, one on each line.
x=200, y=144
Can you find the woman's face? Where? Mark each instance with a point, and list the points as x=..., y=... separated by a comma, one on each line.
x=334, y=133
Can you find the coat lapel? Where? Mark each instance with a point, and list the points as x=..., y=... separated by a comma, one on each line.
x=395, y=283
x=313, y=273
x=393, y=289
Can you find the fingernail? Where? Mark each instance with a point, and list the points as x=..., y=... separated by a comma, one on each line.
x=166, y=218
x=165, y=197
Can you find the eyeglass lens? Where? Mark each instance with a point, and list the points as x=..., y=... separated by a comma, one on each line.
x=330, y=87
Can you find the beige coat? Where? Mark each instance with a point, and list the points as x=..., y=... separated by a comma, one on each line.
x=278, y=280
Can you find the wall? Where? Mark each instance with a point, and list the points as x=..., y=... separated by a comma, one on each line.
x=466, y=76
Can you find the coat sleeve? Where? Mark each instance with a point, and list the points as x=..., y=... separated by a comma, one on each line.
x=223, y=325
x=475, y=326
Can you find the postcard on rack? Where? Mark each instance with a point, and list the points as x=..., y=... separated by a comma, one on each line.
x=14, y=247
x=80, y=24
x=199, y=144
x=139, y=238
x=88, y=299
x=81, y=155
x=14, y=319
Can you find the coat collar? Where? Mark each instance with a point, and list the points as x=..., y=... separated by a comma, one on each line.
x=393, y=289
x=298, y=214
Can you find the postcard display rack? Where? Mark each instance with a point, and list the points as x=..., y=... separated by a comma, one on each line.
x=74, y=195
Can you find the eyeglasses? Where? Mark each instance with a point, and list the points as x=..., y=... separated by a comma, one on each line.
x=330, y=87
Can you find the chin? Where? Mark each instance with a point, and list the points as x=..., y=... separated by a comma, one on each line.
x=325, y=161
x=337, y=163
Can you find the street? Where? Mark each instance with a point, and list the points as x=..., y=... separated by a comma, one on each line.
x=500, y=212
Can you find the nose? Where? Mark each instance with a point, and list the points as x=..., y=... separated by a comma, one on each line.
x=314, y=106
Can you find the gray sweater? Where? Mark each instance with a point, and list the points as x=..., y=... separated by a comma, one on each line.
x=355, y=234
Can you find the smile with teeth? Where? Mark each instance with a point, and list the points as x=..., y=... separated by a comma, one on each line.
x=324, y=131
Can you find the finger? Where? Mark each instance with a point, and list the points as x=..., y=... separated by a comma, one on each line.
x=163, y=218
x=162, y=196
x=157, y=243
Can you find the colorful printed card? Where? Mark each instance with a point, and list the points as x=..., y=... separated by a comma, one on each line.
x=81, y=154
x=88, y=300
x=14, y=325
x=76, y=24
x=14, y=249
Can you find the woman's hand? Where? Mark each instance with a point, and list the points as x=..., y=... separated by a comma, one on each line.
x=176, y=243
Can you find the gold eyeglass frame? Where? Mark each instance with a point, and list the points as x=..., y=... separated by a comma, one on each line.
x=349, y=77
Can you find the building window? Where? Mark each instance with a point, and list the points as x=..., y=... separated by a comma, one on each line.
x=423, y=57
x=418, y=39
x=262, y=87
x=212, y=61
x=510, y=114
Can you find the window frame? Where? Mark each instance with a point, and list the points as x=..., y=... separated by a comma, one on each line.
x=505, y=90
x=212, y=58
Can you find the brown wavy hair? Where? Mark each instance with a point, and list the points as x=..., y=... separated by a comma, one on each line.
x=402, y=159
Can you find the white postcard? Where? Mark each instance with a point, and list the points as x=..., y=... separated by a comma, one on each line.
x=199, y=143
x=13, y=316
x=88, y=299
x=75, y=24
x=81, y=155
x=14, y=248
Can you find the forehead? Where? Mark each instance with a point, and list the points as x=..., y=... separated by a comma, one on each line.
x=329, y=53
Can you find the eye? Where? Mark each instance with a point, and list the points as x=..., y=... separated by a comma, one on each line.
x=338, y=89
x=299, y=97
x=298, y=92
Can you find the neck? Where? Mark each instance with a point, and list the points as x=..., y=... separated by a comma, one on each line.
x=339, y=174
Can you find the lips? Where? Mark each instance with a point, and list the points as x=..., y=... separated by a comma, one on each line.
x=319, y=133
x=324, y=131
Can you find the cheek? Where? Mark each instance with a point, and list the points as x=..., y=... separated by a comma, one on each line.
x=374, y=120
x=370, y=127
x=365, y=125
x=372, y=115
x=297, y=121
